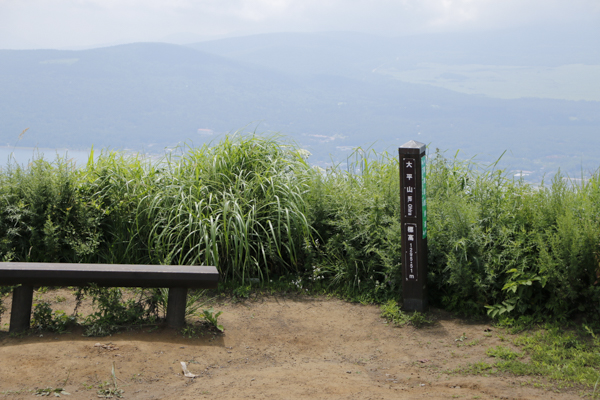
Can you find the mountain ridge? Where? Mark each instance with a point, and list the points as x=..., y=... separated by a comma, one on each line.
x=154, y=95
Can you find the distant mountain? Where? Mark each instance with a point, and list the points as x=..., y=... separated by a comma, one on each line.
x=127, y=96
x=317, y=89
x=559, y=63
x=355, y=53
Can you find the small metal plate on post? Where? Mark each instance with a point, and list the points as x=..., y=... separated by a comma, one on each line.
x=413, y=219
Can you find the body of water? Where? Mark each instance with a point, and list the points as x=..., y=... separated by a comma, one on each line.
x=25, y=155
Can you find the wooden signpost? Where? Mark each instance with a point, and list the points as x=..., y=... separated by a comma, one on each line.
x=413, y=203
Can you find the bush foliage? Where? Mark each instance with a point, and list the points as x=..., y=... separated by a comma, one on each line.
x=254, y=207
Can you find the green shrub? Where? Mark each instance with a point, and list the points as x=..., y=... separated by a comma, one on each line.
x=112, y=311
x=44, y=319
x=43, y=217
x=392, y=313
x=356, y=223
x=517, y=249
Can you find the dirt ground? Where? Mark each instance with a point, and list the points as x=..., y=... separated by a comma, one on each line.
x=273, y=348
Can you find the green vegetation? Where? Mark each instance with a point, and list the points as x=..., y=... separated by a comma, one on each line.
x=519, y=251
x=211, y=318
x=253, y=207
x=552, y=355
x=112, y=311
x=4, y=290
x=117, y=308
x=238, y=205
x=558, y=354
x=50, y=391
x=44, y=319
x=503, y=353
x=392, y=313
x=108, y=390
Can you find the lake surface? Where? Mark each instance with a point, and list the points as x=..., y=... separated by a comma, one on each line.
x=24, y=155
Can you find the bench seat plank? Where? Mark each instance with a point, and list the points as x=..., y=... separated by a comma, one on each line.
x=178, y=278
x=121, y=275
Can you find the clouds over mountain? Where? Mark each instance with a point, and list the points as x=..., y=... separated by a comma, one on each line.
x=72, y=23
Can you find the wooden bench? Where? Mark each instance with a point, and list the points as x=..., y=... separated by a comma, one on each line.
x=178, y=278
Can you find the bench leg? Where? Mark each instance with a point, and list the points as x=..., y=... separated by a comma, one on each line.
x=20, y=314
x=176, y=307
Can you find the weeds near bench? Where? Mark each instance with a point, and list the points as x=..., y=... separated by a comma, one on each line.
x=4, y=291
x=115, y=309
x=192, y=305
x=108, y=392
x=211, y=317
x=44, y=319
x=208, y=325
x=2, y=307
x=113, y=312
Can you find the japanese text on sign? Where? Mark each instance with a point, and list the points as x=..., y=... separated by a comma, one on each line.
x=409, y=187
x=424, y=194
x=410, y=232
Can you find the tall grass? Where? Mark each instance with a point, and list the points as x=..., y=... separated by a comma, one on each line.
x=238, y=205
x=254, y=208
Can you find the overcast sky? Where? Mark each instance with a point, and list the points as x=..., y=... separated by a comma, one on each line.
x=26, y=24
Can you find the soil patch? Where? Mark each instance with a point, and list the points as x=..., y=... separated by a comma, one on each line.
x=272, y=348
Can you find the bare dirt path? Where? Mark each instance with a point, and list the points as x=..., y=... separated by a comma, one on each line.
x=272, y=348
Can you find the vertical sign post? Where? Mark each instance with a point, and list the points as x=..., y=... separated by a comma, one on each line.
x=413, y=203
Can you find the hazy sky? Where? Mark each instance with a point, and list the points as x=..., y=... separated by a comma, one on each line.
x=83, y=23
